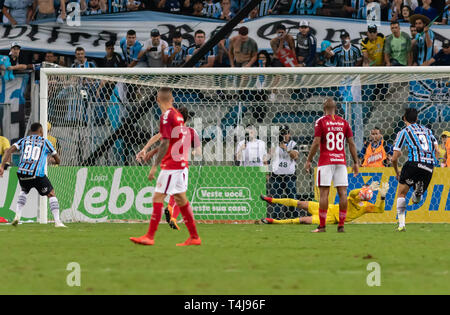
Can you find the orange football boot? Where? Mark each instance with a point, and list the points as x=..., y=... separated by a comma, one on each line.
x=143, y=240
x=191, y=241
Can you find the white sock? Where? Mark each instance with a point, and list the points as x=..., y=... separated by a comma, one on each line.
x=54, y=207
x=21, y=201
x=401, y=211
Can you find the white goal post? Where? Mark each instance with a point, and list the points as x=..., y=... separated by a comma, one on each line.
x=284, y=96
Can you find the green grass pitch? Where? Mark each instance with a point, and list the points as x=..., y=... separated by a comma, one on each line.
x=233, y=259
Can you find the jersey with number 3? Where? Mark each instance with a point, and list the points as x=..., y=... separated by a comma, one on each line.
x=420, y=142
x=171, y=126
x=34, y=151
x=332, y=130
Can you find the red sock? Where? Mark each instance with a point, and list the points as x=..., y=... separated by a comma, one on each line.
x=188, y=216
x=323, y=217
x=342, y=216
x=154, y=221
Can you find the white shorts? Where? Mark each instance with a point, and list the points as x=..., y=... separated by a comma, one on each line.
x=171, y=182
x=336, y=173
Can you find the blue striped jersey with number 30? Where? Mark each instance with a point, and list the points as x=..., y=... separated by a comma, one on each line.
x=34, y=151
x=420, y=142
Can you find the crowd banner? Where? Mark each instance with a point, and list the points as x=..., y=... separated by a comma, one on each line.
x=94, y=31
x=434, y=207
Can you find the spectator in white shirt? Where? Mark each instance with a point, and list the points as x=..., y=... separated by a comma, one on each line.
x=251, y=151
x=154, y=50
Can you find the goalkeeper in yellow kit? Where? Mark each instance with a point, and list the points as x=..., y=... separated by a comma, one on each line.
x=356, y=207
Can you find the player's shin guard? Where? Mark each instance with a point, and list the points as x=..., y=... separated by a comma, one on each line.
x=188, y=217
x=342, y=216
x=54, y=208
x=154, y=221
x=21, y=201
x=323, y=217
x=401, y=211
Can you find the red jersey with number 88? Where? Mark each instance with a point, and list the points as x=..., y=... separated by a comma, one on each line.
x=332, y=130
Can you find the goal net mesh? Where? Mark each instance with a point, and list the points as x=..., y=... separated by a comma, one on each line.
x=100, y=123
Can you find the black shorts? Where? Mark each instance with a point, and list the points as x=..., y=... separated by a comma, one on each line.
x=414, y=172
x=41, y=184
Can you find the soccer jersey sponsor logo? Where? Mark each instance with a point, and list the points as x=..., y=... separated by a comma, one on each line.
x=335, y=123
x=337, y=160
x=424, y=167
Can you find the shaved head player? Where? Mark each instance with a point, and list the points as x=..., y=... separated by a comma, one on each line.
x=330, y=132
x=173, y=178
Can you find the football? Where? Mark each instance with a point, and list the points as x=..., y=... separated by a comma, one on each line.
x=365, y=193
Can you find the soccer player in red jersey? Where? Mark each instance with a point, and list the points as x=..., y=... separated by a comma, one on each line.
x=192, y=140
x=173, y=178
x=330, y=132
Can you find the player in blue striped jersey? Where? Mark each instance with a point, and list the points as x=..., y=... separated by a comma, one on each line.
x=446, y=15
x=305, y=7
x=175, y=55
x=418, y=170
x=265, y=7
x=352, y=7
x=130, y=48
x=34, y=151
x=210, y=8
x=346, y=54
x=207, y=61
x=81, y=60
x=424, y=40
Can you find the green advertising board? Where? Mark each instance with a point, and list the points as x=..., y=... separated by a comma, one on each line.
x=124, y=193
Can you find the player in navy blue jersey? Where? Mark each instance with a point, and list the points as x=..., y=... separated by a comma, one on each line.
x=418, y=170
x=34, y=151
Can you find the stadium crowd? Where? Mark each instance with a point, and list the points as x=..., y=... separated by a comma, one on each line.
x=402, y=47
x=24, y=11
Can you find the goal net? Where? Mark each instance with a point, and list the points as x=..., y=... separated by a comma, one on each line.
x=249, y=121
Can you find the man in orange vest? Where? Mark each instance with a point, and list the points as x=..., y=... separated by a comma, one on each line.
x=376, y=152
x=445, y=137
